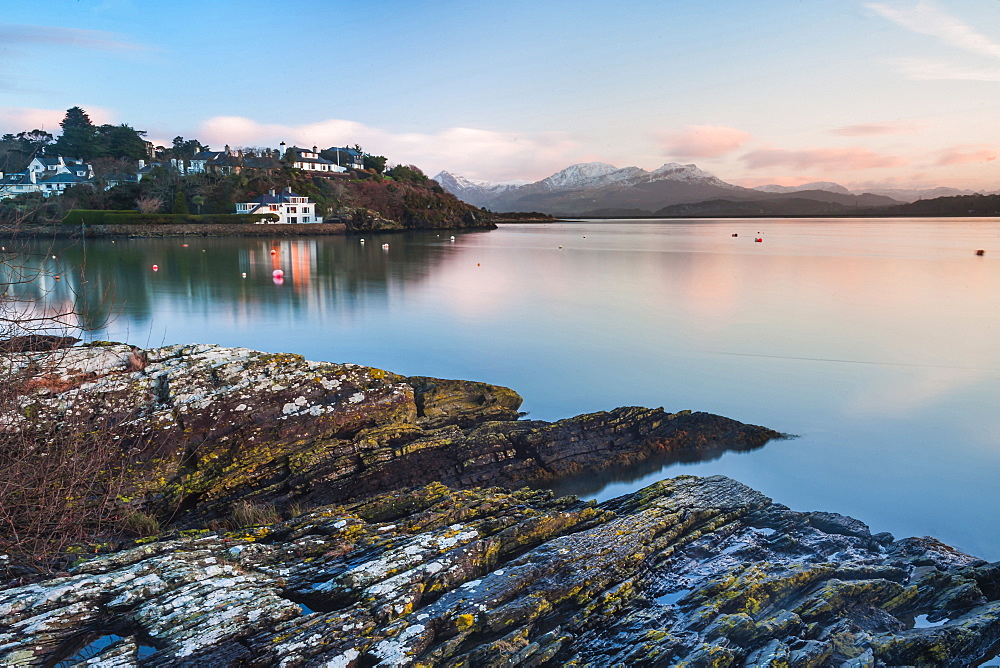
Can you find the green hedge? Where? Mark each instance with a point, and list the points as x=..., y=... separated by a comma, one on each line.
x=93, y=217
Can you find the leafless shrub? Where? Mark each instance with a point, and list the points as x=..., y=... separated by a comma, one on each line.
x=62, y=468
x=63, y=462
x=149, y=204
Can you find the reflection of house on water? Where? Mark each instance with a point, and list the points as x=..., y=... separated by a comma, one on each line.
x=296, y=258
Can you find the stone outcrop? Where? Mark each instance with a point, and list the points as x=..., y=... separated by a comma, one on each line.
x=207, y=427
x=687, y=572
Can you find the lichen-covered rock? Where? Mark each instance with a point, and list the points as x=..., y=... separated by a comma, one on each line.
x=688, y=572
x=207, y=427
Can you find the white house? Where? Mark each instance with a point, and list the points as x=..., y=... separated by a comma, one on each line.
x=45, y=167
x=311, y=161
x=286, y=205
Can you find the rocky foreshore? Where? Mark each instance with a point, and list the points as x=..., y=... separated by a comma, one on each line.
x=687, y=572
x=409, y=540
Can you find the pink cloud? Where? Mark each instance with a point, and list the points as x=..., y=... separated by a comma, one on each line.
x=872, y=129
x=962, y=155
x=22, y=119
x=474, y=153
x=19, y=119
x=852, y=158
x=702, y=141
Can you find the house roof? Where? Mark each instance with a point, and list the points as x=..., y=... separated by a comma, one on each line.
x=18, y=178
x=63, y=178
x=350, y=151
x=226, y=160
x=279, y=198
x=321, y=161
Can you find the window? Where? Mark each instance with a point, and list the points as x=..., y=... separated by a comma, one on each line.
x=293, y=219
x=305, y=219
x=291, y=209
x=305, y=209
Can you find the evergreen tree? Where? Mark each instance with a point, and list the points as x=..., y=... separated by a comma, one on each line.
x=79, y=136
x=180, y=203
x=121, y=141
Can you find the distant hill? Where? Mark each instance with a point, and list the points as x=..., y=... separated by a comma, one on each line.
x=598, y=189
x=965, y=205
x=898, y=194
x=786, y=206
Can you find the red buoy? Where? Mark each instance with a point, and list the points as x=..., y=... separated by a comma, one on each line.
x=274, y=252
x=277, y=273
x=156, y=267
x=758, y=240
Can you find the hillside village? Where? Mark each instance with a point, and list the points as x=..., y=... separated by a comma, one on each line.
x=47, y=176
x=114, y=169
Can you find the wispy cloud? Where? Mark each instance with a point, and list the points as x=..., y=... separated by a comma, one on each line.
x=851, y=158
x=928, y=19
x=961, y=155
x=702, y=141
x=875, y=129
x=470, y=152
x=11, y=34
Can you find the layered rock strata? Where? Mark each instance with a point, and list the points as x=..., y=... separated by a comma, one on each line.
x=207, y=427
x=687, y=572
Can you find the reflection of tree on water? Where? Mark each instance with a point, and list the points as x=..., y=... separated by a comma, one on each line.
x=320, y=274
x=37, y=291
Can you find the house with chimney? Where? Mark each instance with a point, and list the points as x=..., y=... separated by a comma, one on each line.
x=46, y=176
x=289, y=207
x=310, y=161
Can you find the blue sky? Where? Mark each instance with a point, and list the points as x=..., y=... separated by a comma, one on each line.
x=887, y=92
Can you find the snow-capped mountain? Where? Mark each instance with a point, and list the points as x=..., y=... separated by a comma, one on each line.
x=593, y=186
x=473, y=191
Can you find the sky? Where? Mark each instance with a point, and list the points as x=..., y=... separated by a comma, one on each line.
x=879, y=93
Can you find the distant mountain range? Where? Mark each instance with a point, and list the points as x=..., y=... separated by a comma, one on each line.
x=598, y=189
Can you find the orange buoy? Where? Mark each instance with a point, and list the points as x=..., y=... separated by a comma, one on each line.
x=184, y=245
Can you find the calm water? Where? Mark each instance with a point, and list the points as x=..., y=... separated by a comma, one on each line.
x=874, y=340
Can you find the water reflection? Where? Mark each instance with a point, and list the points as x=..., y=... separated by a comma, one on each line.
x=590, y=485
x=873, y=340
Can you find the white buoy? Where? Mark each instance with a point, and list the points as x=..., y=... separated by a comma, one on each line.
x=277, y=273
x=244, y=274
x=385, y=246
x=362, y=241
